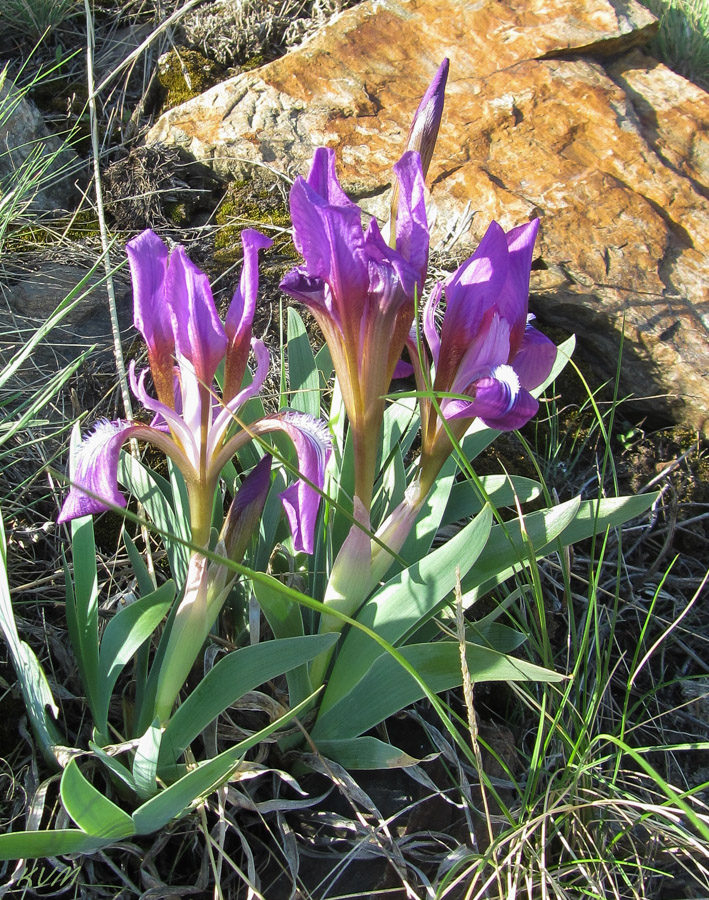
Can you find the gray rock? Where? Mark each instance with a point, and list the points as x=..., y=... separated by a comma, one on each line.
x=28, y=148
x=29, y=297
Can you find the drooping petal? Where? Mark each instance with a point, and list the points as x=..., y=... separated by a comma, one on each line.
x=240, y=315
x=312, y=444
x=147, y=258
x=199, y=333
x=501, y=402
x=535, y=358
x=94, y=467
x=310, y=291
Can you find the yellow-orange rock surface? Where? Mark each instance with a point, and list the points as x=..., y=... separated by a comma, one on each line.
x=551, y=113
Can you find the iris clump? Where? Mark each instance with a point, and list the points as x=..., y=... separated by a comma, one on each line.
x=198, y=427
x=364, y=291
x=194, y=424
x=363, y=285
x=364, y=493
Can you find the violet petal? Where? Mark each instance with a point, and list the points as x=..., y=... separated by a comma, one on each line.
x=240, y=315
x=95, y=468
x=535, y=358
x=500, y=401
x=313, y=446
x=513, y=299
x=329, y=238
x=427, y=119
x=199, y=333
x=246, y=508
x=412, y=237
x=147, y=258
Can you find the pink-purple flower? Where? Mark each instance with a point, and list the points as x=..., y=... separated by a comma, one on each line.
x=360, y=290
x=487, y=353
x=193, y=424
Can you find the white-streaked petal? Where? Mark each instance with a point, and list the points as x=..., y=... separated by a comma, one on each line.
x=175, y=422
x=225, y=416
x=94, y=468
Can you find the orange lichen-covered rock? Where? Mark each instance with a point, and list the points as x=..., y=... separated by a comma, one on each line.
x=610, y=153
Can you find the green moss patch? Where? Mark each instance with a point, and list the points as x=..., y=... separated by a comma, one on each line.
x=184, y=74
x=258, y=201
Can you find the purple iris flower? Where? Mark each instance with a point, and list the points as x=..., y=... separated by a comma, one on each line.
x=176, y=314
x=360, y=290
x=487, y=352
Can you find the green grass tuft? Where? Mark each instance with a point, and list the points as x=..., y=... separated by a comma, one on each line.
x=35, y=18
x=683, y=39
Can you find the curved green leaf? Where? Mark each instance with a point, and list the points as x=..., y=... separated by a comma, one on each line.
x=547, y=529
x=404, y=603
x=114, y=765
x=506, y=550
x=495, y=636
x=303, y=377
x=30, y=674
x=501, y=490
x=124, y=634
x=37, y=844
x=82, y=604
x=282, y=614
x=594, y=516
x=177, y=799
x=145, y=763
x=422, y=535
x=90, y=809
x=369, y=703
x=231, y=678
x=140, y=570
x=285, y=619
x=366, y=753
